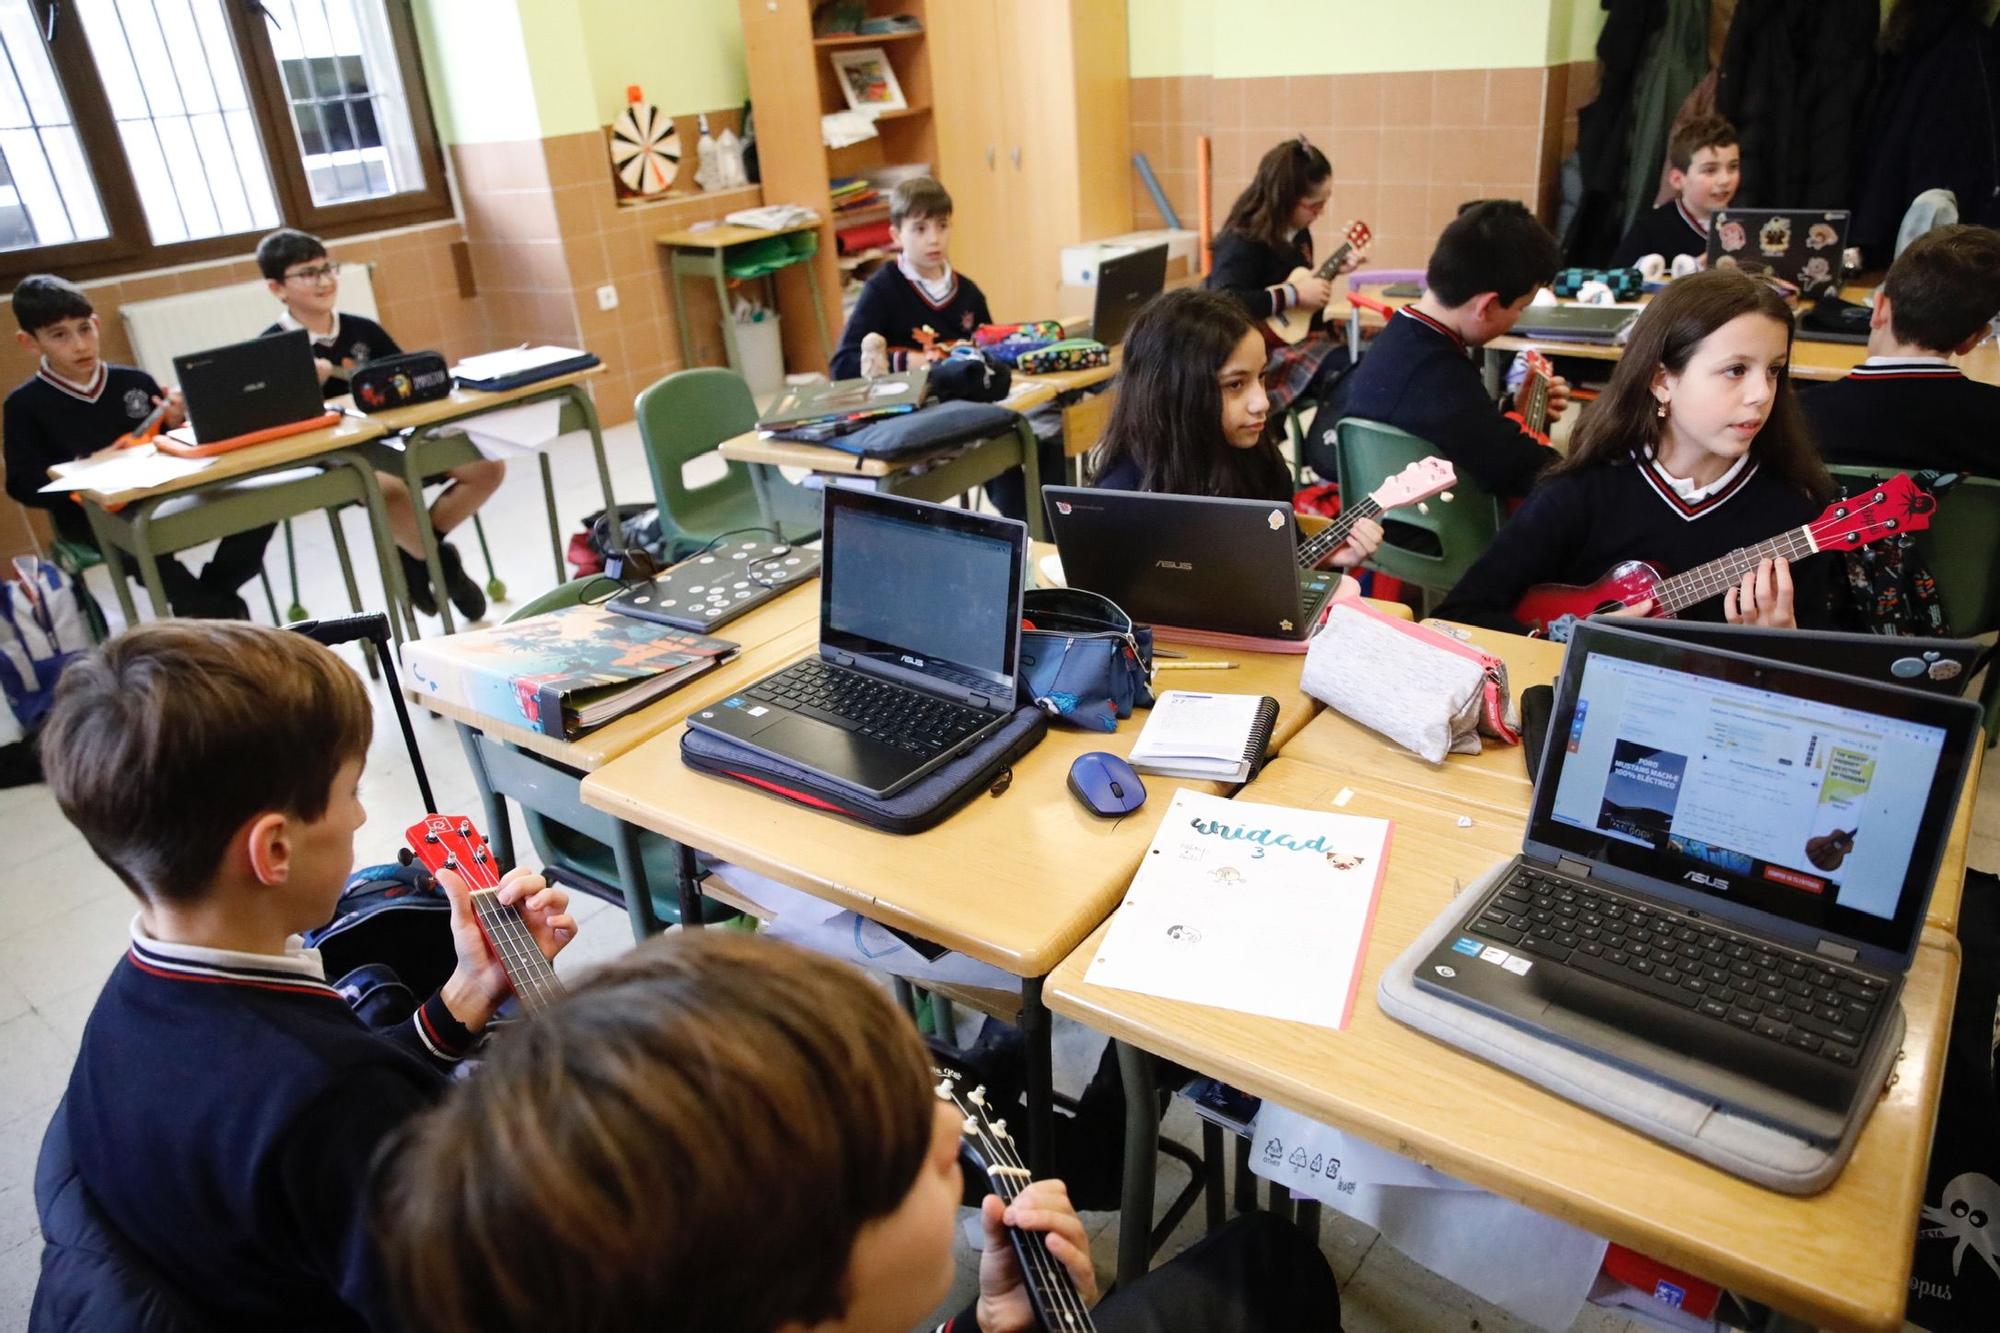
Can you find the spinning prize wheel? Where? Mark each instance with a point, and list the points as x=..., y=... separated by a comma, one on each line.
x=645, y=149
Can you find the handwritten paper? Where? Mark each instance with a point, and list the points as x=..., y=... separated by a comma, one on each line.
x=138, y=468
x=1257, y=908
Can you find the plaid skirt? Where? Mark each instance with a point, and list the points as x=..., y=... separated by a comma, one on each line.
x=1291, y=371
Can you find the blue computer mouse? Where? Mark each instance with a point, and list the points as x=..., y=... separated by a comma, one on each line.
x=1106, y=784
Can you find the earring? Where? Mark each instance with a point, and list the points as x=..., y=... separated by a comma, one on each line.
x=1660, y=411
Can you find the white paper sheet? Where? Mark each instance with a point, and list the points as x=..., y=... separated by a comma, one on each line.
x=511, y=431
x=133, y=469
x=1257, y=908
x=1528, y=1264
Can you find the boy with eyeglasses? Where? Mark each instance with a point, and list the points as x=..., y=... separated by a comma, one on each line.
x=300, y=274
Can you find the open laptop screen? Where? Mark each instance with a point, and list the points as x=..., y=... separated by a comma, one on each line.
x=922, y=587
x=1821, y=800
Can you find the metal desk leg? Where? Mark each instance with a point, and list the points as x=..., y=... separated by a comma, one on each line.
x=580, y=398
x=1135, y=1216
x=499, y=831
x=555, y=524
x=1041, y=1078
x=149, y=564
x=1211, y=1171
x=632, y=879
x=413, y=479
x=819, y=312
x=1031, y=477
x=728, y=324
x=680, y=308
x=114, y=560
x=688, y=881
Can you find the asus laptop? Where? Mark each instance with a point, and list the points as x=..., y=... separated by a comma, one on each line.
x=249, y=387
x=1724, y=875
x=1801, y=246
x=919, y=646
x=1605, y=325
x=1940, y=666
x=1124, y=285
x=1191, y=561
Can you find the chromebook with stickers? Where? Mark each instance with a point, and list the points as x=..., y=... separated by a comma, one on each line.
x=1724, y=875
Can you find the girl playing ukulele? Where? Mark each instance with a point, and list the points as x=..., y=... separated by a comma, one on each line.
x=1696, y=449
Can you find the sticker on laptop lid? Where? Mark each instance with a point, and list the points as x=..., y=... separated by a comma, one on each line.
x=1276, y=520
x=1493, y=955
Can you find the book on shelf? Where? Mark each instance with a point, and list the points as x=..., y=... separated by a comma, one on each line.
x=1216, y=736
x=565, y=672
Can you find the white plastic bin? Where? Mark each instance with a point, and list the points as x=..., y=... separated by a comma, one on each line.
x=763, y=357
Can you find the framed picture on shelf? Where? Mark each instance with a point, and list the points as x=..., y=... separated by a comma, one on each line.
x=867, y=81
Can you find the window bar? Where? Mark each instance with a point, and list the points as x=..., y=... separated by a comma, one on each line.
x=340, y=86
x=21, y=90
x=152, y=116
x=222, y=115
x=207, y=172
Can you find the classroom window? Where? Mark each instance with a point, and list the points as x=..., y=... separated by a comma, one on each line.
x=138, y=133
x=47, y=196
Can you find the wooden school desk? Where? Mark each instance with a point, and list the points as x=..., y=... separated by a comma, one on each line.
x=951, y=472
x=542, y=773
x=1016, y=881
x=705, y=254
x=121, y=521
x=1839, y=1258
x=1494, y=784
x=430, y=447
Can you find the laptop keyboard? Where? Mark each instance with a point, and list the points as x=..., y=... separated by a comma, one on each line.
x=1315, y=586
x=1776, y=993
x=911, y=720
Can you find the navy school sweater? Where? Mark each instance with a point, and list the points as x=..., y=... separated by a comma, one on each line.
x=225, y=1119
x=1575, y=528
x=356, y=339
x=1666, y=231
x=1417, y=378
x=50, y=421
x=1908, y=416
x=1252, y=271
x=893, y=306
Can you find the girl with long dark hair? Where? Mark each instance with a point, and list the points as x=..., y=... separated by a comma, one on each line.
x=1191, y=410
x=1696, y=448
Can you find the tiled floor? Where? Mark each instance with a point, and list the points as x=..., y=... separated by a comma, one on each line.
x=67, y=919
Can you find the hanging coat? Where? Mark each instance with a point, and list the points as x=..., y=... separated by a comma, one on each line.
x=1794, y=77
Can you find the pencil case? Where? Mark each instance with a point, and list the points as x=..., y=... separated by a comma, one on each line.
x=1008, y=342
x=1069, y=354
x=1423, y=689
x=1082, y=658
x=398, y=381
x=986, y=767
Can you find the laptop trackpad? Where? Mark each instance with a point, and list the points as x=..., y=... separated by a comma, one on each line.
x=837, y=753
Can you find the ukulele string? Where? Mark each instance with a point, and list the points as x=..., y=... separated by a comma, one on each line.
x=518, y=951
x=1330, y=538
x=1058, y=1288
x=1718, y=576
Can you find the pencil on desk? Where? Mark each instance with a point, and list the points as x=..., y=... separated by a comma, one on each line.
x=1194, y=666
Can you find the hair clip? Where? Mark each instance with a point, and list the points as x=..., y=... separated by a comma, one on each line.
x=1305, y=144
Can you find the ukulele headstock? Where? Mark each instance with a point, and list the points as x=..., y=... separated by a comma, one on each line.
x=985, y=1138
x=1357, y=236
x=442, y=842
x=1416, y=483
x=1895, y=506
x=1538, y=365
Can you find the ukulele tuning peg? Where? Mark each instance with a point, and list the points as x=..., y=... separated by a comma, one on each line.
x=999, y=1129
x=971, y=1126
x=479, y=854
x=404, y=856
x=464, y=828
x=943, y=1089
x=1446, y=497
x=431, y=837
x=978, y=1096
x=1423, y=507
x=450, y=862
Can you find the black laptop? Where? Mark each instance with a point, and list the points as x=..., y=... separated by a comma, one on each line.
x=1124, y=285
x=1190, y=561
x=1724, y=875
x=1605, y=325
x=1941, y=666
x=1801, y=246
x=250, y=386
x=919, y=646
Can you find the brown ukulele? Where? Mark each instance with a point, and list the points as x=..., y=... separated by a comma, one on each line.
x=1897, y=505
x=1289, y=327
x=450, y=842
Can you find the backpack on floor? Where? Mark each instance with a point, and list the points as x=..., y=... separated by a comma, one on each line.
x=43, y=629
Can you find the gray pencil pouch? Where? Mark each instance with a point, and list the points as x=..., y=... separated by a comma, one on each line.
x=1424, y=690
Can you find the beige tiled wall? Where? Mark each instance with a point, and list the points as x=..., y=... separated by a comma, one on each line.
x=1407, y=148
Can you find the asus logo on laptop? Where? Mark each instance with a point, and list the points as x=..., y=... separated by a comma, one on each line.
x=908, y=660
x=1711, y=881
x=1174, y=564
x=252, y=388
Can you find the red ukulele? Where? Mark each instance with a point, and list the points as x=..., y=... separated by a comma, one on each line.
x=1897, y=505
x=1534, y=419
x=1413, y=485
x=450, y=842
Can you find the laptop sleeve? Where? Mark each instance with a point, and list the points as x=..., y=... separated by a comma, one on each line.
x=935, y=427
x=1695, y=1125
x=912, y=810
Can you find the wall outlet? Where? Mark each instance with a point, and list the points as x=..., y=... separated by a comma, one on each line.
x=607, y=297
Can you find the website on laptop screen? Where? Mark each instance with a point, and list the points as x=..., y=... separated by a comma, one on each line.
x=921, y=590
x=1794, y=805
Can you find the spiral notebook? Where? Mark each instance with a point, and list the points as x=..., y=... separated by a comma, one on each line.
x=1222, y=737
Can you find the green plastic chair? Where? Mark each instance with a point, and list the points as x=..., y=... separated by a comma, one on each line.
x=1958, y=547
x=686, y=415
x=1369, y=453
x=576, y=858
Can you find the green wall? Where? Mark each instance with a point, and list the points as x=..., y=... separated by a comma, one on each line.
x=1254, y=38
x=686, y=54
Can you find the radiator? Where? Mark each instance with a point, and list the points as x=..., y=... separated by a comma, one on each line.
x=170, y=326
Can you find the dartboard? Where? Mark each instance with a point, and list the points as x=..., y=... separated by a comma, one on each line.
x=645, y=149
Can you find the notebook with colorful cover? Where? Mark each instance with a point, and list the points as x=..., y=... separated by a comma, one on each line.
x=565, y=672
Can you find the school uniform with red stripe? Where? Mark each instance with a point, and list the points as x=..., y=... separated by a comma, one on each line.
x=1666, y=231
x=1908, y=414
x=224, y=1111
x=1575, y=528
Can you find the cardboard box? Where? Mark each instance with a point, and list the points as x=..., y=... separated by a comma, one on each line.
x=1079, y=262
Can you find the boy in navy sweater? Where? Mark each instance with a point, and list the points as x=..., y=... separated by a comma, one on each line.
x=1705, y=167
x=1488, y=264
x=299, y=273
x=1907, y=406
x=226, y=1102
x=76, y=405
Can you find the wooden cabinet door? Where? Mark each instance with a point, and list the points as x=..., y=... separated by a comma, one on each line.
x=968, y=86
